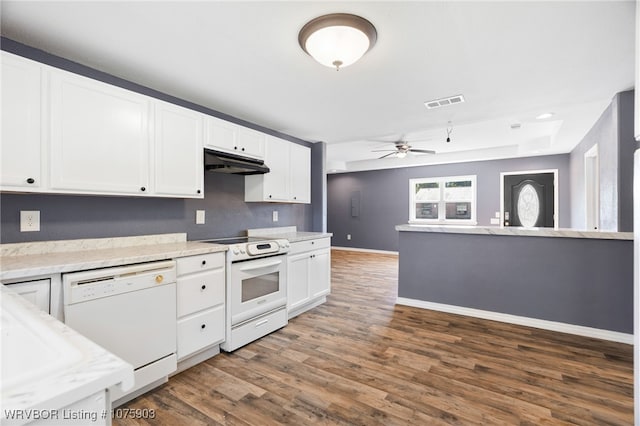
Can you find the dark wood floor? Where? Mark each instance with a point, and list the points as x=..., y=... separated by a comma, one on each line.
x=359, y=359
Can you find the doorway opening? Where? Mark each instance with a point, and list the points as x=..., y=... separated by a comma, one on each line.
x=529, y=199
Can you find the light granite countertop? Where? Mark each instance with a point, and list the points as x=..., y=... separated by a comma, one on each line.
x=47, y=365
x=287, y=232
x=23, y=260
x=512, y=231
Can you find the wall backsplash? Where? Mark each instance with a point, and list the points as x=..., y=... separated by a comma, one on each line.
x=71, y=216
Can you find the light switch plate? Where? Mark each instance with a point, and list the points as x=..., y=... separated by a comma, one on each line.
x=495, y=221
x=29, y=220
x=199, y=217
x=498, y=215
x=275, y=215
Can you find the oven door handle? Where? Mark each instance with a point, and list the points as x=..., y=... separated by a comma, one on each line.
x=254, y=266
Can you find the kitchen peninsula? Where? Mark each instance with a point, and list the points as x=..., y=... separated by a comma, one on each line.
x=579, y=282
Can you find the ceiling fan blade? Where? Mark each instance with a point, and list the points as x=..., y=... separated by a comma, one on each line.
x=384, y=156
x=383, y=150
x=425, y=151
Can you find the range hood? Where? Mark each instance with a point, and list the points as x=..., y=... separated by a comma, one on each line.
x=221, y=162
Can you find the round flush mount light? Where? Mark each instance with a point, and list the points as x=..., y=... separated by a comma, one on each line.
x=337, y=40
x=544, y=116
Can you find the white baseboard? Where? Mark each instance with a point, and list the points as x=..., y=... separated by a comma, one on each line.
x=579, y=330
x=395, y=253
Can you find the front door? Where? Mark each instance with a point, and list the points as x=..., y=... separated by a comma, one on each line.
x=529, y=200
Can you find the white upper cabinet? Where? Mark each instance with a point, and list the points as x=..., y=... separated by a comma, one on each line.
x=300, y=180
x=178, y=161
x=65, y=133
x=99, y=137
x=272, y=186
x=289, y=178
x=21, y=143
x=228, y=137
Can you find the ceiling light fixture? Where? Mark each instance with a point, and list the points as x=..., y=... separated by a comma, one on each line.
x=338, y=39
x=401, y=154
x=545, y=115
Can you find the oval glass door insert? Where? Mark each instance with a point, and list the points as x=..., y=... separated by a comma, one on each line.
x=528, y=206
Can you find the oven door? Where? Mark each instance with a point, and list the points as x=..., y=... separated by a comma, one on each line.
x=257, y=286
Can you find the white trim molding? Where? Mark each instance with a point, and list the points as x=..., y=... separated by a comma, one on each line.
x=363, y=250
x=579, y=330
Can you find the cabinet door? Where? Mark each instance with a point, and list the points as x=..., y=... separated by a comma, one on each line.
x=99, y=137
x=320, y=273
x=276, y=182
x=21, y=128
x=298, y=281
x=300, y=174
x=37, y=292
x=251, y=143
x=220, y=135
x=178, y=161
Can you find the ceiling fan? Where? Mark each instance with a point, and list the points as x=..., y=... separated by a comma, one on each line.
x=402, y=149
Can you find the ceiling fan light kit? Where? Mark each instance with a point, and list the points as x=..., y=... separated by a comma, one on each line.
x=337, y=40
x=402, y=149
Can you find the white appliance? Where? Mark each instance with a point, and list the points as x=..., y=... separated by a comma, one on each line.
x=131, y=312
x=256, y=288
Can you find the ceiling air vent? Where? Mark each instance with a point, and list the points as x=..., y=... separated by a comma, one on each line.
x=437, y=103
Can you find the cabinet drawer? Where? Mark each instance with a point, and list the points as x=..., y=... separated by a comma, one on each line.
x=266, y=324
x=199, y=331
x=308, y=245
x=200, y=291
x=203, y=262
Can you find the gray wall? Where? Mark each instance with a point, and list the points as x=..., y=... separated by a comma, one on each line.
x=584, y=282
x=384, y=197
x=70, y=217
x=613, y=133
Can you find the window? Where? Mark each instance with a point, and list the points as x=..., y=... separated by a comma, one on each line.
x=446, y=200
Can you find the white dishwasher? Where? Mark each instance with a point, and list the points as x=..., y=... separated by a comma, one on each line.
x=131, y=312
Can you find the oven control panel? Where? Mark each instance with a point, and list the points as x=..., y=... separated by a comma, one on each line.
x=242, y=251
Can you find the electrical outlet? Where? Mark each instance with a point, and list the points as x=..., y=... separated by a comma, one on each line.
x=495, y=221
x=29, y=220
x=275, y=215
x=348, y=236
x=498, y=215
x=199, y=217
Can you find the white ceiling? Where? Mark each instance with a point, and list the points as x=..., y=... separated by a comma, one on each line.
x=511, y=60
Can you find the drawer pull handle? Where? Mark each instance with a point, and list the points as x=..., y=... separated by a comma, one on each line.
x=31, y=180
x=203, y=286
x=203, y=326
x=204, y=262
x=159, y=279
x=259, y=323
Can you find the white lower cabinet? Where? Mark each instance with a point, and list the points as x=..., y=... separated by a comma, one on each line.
x=38, y=292
x=200, y=303
x=44, y=291
x=309, y=275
